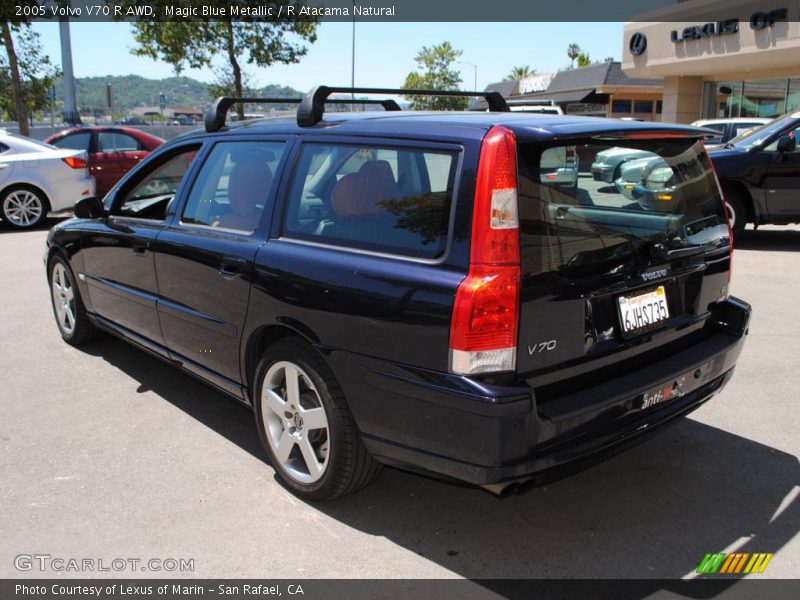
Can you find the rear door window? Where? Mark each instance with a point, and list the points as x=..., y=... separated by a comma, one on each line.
x=112, y=141
x=383, y=199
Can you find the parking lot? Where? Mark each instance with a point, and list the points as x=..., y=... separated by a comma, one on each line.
x=108, y=453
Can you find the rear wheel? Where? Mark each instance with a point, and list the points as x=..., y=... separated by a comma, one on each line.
x=24, y=207
x=73, y=324
x=305, y=425
x=737, y=215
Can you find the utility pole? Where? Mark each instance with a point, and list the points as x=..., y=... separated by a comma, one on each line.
x=475, y=68
x=71, y=114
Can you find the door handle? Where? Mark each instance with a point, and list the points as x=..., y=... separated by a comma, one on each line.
x=139, y=250
x=228, y=270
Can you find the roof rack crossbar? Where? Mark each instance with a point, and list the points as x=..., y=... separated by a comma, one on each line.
x=215, y=116
x=313, y=105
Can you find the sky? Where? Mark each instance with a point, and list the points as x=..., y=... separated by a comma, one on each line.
x=384, y=51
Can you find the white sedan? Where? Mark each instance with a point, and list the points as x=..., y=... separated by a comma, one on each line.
x=36, y=179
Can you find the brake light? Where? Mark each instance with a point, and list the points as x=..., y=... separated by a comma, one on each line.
x=727, y=216
x=483, y=330
x=75, y=162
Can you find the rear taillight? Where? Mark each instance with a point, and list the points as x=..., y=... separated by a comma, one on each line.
x=483, y=330
x=75, y=162
x=727, y=216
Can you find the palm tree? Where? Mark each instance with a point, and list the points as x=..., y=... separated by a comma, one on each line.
x=520, y=73
x=573, y=51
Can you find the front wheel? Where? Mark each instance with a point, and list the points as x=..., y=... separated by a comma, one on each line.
x=305, y=425
x=73, y=323
x=24, y=207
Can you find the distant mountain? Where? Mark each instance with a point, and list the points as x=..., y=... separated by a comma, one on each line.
x=131, y=91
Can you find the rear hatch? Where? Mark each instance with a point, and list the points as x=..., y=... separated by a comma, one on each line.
x=615, y=276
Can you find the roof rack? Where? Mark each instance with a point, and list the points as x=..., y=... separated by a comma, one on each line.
x=215, y=116
x=313, y=105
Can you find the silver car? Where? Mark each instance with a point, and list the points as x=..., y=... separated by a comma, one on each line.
x=607, y=164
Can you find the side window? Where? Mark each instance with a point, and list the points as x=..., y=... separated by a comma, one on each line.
x=151, y=195
x=75, y=141
x=394, y=200
x=113, y=141
x=4, y=148
x=234, y=185
x=793, y=133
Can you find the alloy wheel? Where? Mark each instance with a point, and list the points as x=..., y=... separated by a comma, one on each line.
x=63, y=299
x=295, y=422
x=23, y=208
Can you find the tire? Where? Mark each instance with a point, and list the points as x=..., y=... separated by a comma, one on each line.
x=737, y=214
x=24, y=207
x=68, y=309
x=316, y=463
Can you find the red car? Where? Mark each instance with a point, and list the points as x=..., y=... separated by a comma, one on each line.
x=112, y=151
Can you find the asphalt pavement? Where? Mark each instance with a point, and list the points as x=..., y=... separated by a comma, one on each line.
x=107, y=453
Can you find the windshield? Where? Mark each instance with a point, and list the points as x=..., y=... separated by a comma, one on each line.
x=755, y=137
x=593, y=208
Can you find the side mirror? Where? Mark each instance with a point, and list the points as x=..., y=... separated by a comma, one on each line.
x=89, y=208
x=787, y=143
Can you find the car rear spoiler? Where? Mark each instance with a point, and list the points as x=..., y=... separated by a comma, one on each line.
x=216, y=115
x=312, y=108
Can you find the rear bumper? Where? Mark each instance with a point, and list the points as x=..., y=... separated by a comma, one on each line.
x=485, y=434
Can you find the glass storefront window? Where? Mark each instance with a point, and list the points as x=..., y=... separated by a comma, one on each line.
x=621, y=106
x=752, y=98
x=793, y=99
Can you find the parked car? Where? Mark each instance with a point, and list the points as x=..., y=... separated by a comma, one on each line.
x=760, y=174
x=633, y=172
x=112, y=151
x=560, y=165
x=36, y=179
x=137, y=121
x=408, y=289
x=607, y=164
x=728, y=128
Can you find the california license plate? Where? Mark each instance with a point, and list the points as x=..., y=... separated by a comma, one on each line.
x=645, y=312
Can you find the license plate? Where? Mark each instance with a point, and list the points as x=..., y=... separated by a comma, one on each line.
x=643, y=312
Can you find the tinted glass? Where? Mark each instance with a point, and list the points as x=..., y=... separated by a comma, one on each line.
x=112, y=141
x=394, y=200
x=234, y=185
x=75, y=141
x=663, y=197
x=151, y=194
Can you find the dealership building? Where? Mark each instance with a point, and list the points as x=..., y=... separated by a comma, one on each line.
x=719, y=58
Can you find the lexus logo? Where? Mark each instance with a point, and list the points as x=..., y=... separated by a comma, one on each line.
x=638, y=43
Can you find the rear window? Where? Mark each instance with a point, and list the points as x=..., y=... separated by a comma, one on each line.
x=378, y=198
x=593, y=208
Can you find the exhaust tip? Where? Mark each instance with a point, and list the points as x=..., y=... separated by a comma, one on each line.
x=501, y=490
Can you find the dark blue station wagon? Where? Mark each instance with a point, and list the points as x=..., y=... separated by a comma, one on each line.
x=450, y=293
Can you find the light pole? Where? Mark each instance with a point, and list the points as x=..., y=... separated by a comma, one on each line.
x=71, y=114
x=475, y=68
x=353, y=59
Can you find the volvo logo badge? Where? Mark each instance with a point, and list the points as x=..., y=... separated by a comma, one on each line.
x=638, y=43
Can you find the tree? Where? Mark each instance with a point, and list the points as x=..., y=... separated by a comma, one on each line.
x=435, y=63
x=584, y=60
x=196, y=44
x=26, y=74
x=520, y=73
x=573, y=51
x=224, y=84
x=609, y=59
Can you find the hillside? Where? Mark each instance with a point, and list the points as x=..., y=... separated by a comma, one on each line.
x=131, y=91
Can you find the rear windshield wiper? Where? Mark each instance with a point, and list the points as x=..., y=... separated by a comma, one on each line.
x=671, y=251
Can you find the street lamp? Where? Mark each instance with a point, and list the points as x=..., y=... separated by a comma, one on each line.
x=475, y=68
x=353, y=59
